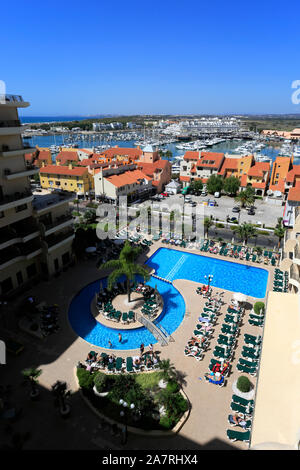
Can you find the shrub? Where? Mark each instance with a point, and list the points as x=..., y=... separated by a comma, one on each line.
x=243, y=384
x=85, y=379
x=172, y=386
x=100, y=381
x=220, y=225
x=259, y=308
x=166, y=422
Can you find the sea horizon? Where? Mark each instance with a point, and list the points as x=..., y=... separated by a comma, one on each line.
x=48, y=119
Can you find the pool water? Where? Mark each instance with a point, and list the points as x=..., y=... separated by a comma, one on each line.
x=85, y=325
x=175, y=264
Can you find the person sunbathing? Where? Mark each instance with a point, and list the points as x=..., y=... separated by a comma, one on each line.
x=235, y=419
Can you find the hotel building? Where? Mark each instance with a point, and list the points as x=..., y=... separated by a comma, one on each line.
x=33, y=238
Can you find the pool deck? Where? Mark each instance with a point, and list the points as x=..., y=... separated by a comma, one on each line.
x=58, y=354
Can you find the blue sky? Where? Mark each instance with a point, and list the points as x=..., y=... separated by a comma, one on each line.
x=95, y=57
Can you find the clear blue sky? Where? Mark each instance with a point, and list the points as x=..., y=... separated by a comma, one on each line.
x=99, y=57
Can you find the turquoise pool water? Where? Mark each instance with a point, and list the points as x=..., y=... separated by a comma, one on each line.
x=174, y=264
x=85, y=325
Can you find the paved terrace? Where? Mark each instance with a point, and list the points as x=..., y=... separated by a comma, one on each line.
x=58, y=354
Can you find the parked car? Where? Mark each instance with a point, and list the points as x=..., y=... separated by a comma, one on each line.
x=192, y=203
x=165, y=194
x=217, y=194
x=236, y=209
x=204, y=193
x=188, y=198
x=231, y=219
x=251, y=211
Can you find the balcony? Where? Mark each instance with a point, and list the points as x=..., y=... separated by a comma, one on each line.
x=9, y=151
x=19, y=252
x=10, y=201
x=28, y=171
x=55, y=241
x=13, y=101
x=10, y=236
x=60, y=223
x=42, y=203
x=11, y=127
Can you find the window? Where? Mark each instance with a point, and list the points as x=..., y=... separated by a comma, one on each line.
x=19, y=278
x=57, y=183
x=22, y=207
x=31, y=270
x=65, y=258
x=6, y=285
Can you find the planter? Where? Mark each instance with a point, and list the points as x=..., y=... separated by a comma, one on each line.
x=65, y=413
x=102, y=394
x=248, y=396
x=34, y=395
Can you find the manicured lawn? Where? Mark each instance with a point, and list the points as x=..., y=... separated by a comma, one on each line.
x=149, y=379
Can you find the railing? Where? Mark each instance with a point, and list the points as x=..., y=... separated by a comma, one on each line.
x=43, y=201
x=15, y=197
x=11, y=233
x=158, y=332
x=55, y=239
x=10, y=123
x=11, y=98
x=58, y=221
x=9, y=254
x=29, y=167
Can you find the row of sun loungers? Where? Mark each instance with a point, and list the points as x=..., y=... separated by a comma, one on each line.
x=239, y=252
x=244, y=408
x=281, y=281
x=119, y=364
x=249, y=361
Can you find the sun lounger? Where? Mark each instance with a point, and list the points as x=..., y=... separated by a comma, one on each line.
x=238, y=436
x=246, y=410
x=247, y=425
x=242, y=401
x=129, y=364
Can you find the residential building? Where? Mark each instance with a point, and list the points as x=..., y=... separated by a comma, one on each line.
x=131, y=183
x=23, y=244
x=280, y=170
x=67, y=178
x=200, y=166
x=40, y=157
x=257, y=177
x=160, y=172
x=290, y=260
x=173, y=187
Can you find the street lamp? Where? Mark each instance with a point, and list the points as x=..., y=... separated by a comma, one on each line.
x=124, y=414
x=209, y=279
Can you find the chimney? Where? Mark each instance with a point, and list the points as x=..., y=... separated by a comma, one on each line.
x=70, y=166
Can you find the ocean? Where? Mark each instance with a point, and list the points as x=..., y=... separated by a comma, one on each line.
x=31, y=119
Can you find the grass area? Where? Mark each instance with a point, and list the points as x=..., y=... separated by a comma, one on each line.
x=149, y=379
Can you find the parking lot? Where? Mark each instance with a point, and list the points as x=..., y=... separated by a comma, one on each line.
x=265, y=212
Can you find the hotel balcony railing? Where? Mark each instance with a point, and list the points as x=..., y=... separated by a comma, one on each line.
x=14, y=197
x=43, y=201
x=55, y=239
x=21, y=251
x=59, y=220
x=10, y=123
x=11, y=98
x=17, y=233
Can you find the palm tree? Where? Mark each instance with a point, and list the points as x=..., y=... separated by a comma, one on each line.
x=245, y=197
x=32, y=375
x=279, y=232
x=207, y=224
x=125, y=266
x=60, y=392
x=167, y=368
x=246, y=231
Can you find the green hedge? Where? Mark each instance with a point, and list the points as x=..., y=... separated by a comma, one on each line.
x=85, y=378
x=243, y=384
x=259, y=307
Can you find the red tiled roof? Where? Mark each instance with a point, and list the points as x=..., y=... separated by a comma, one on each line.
x=63, y=170
x=134, y=153
x=259, y=168
x=244, y=180
x=261, y=185
x=229, y=164
x=280, y=186
x=67, y=156
x=184, y=178
x=191, y=155
x=292, y=173
x=150, y=168
x=129, y=177
x=215, y=160
x=294, y=194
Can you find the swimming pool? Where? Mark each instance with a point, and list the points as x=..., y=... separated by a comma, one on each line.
x=85, y=325
x=175, y=264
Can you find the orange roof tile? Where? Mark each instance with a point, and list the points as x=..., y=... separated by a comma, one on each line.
x=259, y=168
x=128, y=177
x=294, y=194
x=63, y=170
x=184, y=178
x=191, y=155
x=67, y=156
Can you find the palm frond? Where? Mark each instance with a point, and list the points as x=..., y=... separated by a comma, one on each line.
x=112, y=264
x=114, y=276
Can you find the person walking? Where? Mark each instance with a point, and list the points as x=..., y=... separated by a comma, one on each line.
x=142, y=347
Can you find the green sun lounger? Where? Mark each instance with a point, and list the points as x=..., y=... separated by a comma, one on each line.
x=246, y=410
x=242, y=401
x=129, y=364
x=238, y=436
x=119, y=362
x=246, y=370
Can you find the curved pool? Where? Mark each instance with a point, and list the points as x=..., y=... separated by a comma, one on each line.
x=85, y=325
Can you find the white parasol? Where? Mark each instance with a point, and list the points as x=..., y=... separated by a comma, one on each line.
x=240, y=297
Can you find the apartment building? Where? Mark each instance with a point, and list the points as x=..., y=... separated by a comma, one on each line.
x=23, y=244
x=257, y=177
x=200, y=166
x=68, y=178
x=131, y=183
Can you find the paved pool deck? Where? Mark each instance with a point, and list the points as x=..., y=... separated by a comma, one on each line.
x=58, y=354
